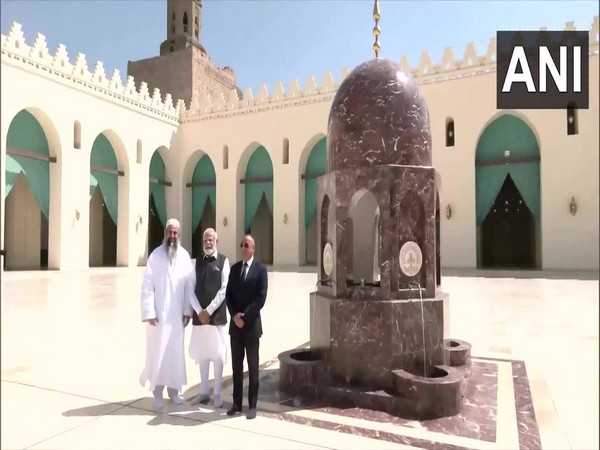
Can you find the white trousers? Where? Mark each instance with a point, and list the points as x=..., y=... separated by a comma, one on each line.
x=204, y=370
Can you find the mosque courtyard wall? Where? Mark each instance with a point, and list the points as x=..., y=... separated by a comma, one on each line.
x=72, y=103
x=286, y=124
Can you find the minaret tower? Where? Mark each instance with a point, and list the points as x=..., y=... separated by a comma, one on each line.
x=184, y=68
x=183, y=25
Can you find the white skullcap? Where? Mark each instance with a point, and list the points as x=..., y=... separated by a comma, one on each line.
x=173, y=222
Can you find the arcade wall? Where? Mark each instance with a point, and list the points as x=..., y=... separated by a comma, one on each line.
x=459, y=87
x=60, y=93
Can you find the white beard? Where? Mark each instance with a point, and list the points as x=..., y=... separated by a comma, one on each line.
x=171, y=250
x=209, y=251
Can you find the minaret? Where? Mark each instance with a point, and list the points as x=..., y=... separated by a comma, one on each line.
x=184, y=68
x=183, y=25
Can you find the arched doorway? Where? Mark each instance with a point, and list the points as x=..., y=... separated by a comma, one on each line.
x=363, y=267
x=508, y=196
x=204, y=201
x=258, y=214
x=316, y=165
x=324, y=278
x=27, y=194
x=157, y=202
x=104, y=203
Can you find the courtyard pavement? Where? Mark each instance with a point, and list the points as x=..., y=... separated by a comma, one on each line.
x=73, y=348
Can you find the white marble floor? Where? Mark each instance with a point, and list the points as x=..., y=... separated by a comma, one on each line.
x=73, y=347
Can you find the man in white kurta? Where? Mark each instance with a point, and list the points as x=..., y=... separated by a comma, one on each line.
x=209, y=335
x=166, y=291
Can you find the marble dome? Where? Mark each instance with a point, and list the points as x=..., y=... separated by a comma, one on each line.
x=378, y=117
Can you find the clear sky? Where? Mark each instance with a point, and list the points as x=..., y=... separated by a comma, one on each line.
x=265, y=41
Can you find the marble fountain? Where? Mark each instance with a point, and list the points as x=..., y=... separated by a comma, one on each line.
x=378, y=334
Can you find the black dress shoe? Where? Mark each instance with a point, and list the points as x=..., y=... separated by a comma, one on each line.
x=251, y=413
x=234, y=409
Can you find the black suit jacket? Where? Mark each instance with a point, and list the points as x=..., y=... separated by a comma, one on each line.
x=247, y=297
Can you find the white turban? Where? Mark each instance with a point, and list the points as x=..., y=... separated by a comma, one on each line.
x=173, y=222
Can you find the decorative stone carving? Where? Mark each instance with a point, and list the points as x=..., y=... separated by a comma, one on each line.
x=328, y=259
x=411, y=259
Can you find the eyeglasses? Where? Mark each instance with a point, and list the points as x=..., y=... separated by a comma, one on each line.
x=244, y=245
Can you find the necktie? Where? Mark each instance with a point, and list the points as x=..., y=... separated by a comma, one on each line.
x=244, y=271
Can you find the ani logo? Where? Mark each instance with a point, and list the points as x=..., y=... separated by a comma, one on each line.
x=328, y=259
x=411, y=259
x=543, y=69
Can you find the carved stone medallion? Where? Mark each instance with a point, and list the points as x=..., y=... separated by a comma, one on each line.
x=411, y=259
x=328, y=259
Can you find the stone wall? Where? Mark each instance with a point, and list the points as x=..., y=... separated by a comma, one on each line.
x=187, y=74
x=170, y=73
x=210, y=82
x=230, y=128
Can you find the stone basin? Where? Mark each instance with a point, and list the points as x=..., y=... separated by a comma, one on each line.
x=304, y=373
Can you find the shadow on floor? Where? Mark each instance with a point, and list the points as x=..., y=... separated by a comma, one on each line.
x=171, y=414
x=192, y=414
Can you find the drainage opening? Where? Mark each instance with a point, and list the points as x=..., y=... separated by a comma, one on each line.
x=307, y=355
x=432, y=372
x=438, y=372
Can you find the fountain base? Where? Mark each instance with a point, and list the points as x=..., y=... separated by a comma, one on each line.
x=305, y=373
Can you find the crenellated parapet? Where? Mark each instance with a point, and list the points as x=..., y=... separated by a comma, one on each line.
x=37, y=58
x=451, y=67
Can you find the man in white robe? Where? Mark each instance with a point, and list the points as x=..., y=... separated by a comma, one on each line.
x=209, y=335
x=166, y=292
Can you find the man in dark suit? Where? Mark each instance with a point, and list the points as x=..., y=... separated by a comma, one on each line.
x=245, y=296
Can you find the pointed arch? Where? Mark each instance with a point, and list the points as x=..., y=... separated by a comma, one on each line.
x=204, y=188
x=33, y=211
x=255, y=199
x=258, y=183
x=104, y=174
x=508, y=193
x=109, y=206
x=157, y=198
x=316, y=165
x=507, y=145
x=158, y=184
x=28, y=151
x=201, y=196
x=363, y=220
x=313, y=164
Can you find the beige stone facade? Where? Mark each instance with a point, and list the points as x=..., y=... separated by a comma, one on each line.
x=287, y=122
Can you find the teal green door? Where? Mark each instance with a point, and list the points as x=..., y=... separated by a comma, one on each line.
x=28, y=156
x=157, y=214
x=508, y=210
x=204, y=201
x=104, y=181
x=258, y=193
x=316, y=165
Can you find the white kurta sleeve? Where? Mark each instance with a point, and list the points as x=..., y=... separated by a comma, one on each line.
x=218, y=300
x=190, y=287
x=147, y=297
